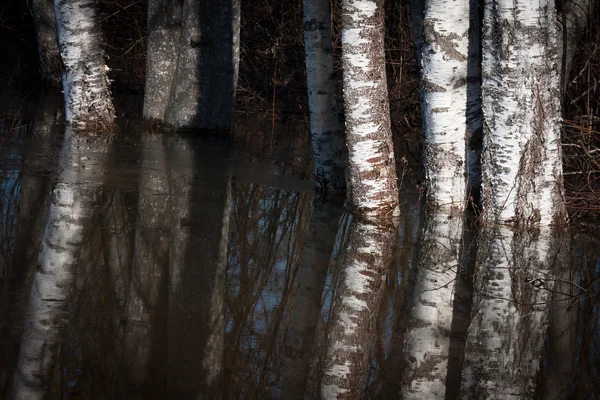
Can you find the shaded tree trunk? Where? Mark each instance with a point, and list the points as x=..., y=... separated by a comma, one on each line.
x=368, y=132
x=325, y=130
x=368, y=253
x=44, y=21
x=164, y=25
x=205, y=78
x=444, y=101
x=88, y=101
x=522, y=166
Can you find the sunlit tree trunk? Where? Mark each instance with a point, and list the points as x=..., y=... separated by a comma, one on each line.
x=368, y=132
x=164, y=25
x=444, y=100
x=205, y=79
x=44, y=21
x=306, y=307
x=320, y=79
x=507, y=332
x=522, y=166
x=427, y=343
x=73, y=200
x=369, y=251
x=88, y=101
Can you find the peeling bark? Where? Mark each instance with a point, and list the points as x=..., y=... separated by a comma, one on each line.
x=325, y=130
x=373, y=178
x=369, y=251
x=522, y=165
x=444, y=101
x=88, y=101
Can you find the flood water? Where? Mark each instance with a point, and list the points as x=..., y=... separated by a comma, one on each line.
x=172, y=267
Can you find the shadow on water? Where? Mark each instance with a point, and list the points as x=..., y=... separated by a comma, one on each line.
x=190, y=270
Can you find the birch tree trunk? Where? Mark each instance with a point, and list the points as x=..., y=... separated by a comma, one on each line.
x=44, y=21
x=325, y=130
x=522, y=166
x=368, y=132
x=205, y=79
x=164, y=25
x=444, y=101
x=88, y=101
x=510, y=315
x=369, y=251
x=72, y=205
x=427, y=343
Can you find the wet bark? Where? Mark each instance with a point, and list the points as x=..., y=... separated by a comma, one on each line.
x=373, y=178
x=443, y=84
x=205, y=77
x=522, y=166
x=427, y=343
x=44, y=22
x=369, y=251
x=510, y=314
x=324, y=124
x=164, y=25
x=74, y=197
x=88, y=101
x=306, y=307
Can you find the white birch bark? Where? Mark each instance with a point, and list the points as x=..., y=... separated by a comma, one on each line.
x=373, y=178
x=427, y=343
x=88, y=102
x=369, y=251
x=82, y=164
x=521, y=166
x=444, y=101
x=325, y=130
x=507, y=332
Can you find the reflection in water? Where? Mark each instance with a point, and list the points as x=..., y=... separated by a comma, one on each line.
x=505, y=338
x=365, y=261
x=193, y=272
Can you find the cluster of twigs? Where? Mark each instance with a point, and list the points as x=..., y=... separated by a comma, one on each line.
x=581, y=133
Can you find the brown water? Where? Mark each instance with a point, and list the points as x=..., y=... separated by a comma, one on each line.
x=207, y=272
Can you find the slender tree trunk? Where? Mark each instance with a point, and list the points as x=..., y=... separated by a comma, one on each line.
x=164, y=25
x=522, y=166
x=427, y=343
x=444, y=100
x=72, y=206
x=510, y=315
x=306, y=307
x=324, y=124
x=203, y=88
x=368, y=132
x=44, y=21
x=88, y=101
x=369, y=251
